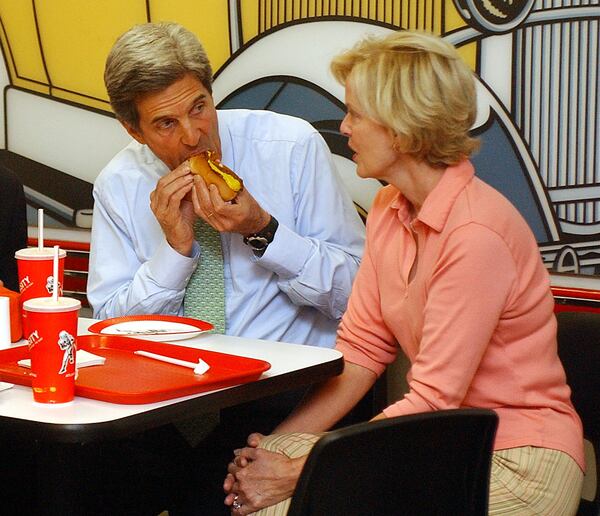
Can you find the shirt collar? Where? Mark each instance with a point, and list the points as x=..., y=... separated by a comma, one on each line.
x=152, y=160
x=227, y=157
x=439, y=202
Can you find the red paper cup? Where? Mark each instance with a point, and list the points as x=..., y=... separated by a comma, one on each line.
x=36, y=271
x=52, y=337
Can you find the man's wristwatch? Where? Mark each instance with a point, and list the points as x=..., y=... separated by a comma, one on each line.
x=259, y=241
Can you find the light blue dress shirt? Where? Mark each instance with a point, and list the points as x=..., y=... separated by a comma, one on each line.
x=296, y=292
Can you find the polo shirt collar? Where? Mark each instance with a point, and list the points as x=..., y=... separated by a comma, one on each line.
x=439, y=202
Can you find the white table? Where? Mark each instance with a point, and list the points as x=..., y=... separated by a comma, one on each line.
x=84, y=419
x=51, y=485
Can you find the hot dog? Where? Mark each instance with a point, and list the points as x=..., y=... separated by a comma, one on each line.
x=215, y=173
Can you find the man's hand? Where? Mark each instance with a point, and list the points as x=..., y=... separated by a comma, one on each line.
x=243, y=215
x=173, y=211
x=259, y=478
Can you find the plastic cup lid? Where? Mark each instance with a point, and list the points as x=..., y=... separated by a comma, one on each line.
x=33, y=253
x=47, y=304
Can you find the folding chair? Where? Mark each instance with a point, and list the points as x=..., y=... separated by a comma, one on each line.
x=423, y=464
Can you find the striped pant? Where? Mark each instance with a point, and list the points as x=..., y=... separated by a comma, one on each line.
x=528, y=481
x=525, y=481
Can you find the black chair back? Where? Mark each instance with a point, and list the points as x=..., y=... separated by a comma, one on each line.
x=436, y=463
x=579, y=351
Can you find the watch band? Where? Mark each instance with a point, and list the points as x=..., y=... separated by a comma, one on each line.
x=260, y=240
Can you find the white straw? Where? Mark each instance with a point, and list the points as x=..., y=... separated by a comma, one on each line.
x=55, y=275
x=40, y=229
x=199, y=367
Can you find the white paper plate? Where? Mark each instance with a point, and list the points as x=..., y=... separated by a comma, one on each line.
x=152, y=327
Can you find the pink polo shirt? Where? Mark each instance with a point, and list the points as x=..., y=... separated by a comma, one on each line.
x=476, y=320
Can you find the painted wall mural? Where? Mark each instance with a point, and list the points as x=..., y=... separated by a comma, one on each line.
x=538, y=106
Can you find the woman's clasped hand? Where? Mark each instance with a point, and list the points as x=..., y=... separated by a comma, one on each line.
x=258, y=478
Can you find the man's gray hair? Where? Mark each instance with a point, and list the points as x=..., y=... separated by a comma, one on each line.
x=149, y=58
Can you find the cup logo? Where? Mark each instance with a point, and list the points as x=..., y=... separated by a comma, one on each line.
x=50, y=285
x=66, y=342
x=33, y=339
x=24, y=284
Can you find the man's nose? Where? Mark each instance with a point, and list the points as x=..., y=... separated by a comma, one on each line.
x=189, y=133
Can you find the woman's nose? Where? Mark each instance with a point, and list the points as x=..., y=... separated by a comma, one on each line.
x=345, y=126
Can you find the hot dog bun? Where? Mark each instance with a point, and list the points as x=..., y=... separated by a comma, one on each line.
x=215, y=173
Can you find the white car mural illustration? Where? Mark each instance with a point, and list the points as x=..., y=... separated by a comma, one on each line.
x=537, y=95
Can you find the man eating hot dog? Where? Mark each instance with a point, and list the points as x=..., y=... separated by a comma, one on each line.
x=291, y=238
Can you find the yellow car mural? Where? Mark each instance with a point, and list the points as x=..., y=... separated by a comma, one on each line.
x=538, y=83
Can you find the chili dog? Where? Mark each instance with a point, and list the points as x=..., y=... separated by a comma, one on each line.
x=215, y=173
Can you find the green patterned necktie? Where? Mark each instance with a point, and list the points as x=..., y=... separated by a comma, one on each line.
x=205, y=293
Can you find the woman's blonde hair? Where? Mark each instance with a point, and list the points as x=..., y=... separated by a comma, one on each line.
x=417, y=85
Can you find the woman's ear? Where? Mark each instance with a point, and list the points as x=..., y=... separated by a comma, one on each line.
x=396, y=142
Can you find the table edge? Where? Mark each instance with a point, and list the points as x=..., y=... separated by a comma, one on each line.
x=212, y=402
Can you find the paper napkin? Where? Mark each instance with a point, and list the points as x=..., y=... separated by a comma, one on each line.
x=82, y=359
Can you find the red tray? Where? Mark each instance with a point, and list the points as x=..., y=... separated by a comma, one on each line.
x=133, y=379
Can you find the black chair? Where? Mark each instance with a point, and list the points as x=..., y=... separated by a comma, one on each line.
x=424, y=464
x=579, y=351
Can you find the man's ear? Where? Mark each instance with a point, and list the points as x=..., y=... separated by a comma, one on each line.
x=134, y=133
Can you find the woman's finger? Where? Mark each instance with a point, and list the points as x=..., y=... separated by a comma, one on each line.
x=254, y=439
x=228, y=483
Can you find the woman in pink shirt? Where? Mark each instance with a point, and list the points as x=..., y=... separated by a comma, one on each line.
x=452, y=275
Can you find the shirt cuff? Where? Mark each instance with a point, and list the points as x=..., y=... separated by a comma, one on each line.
x=287, y=254
x=406, y=406
x=359, y=357
x=170, y=269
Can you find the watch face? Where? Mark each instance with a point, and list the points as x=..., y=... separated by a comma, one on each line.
x=258, y=243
